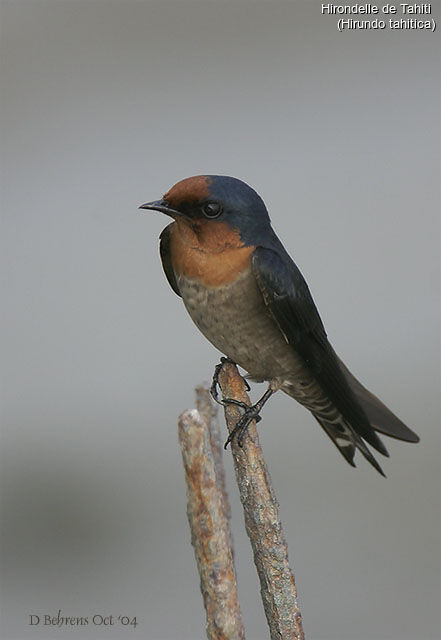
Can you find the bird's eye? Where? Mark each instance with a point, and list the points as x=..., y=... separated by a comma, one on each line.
x=212, y=209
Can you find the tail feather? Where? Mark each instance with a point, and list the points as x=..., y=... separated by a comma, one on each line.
x=347, y=440
x=381, y=418
x=371, y=437
x=353, y=430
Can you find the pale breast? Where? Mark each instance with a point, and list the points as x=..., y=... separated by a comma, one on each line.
x=233, y=317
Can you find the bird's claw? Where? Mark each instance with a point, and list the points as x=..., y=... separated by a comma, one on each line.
x=237, y=403
x=251, y=413
x=215, y=380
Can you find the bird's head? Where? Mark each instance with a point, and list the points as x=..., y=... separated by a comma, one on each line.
x=209, y=203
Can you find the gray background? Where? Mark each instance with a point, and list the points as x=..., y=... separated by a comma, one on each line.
x=104, y=106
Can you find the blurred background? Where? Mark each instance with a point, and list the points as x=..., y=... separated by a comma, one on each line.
x=105, y=105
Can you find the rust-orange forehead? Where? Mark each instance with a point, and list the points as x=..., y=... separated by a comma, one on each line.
x=193, y=189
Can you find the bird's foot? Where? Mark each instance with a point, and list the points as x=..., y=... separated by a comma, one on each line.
x=250, y=414
x=246, y=407
x=215, y=380
x=215, y=383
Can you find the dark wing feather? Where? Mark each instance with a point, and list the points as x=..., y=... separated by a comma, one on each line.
x=164, y=250
x=287, y=297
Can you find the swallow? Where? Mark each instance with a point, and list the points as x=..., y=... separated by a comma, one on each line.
x=249, y=299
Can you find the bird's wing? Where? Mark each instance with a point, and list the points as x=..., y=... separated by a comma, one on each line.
x=290, y=303
x=164, y=250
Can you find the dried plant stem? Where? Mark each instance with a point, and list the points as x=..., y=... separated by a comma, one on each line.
x=209, y=413
x=210, y=533
x=262, y=519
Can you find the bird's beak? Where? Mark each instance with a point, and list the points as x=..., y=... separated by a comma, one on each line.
x=162, y=206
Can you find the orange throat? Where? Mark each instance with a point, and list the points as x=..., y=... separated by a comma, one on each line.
x=210, y=251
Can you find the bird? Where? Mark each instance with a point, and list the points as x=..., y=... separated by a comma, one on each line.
x=249, y=299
